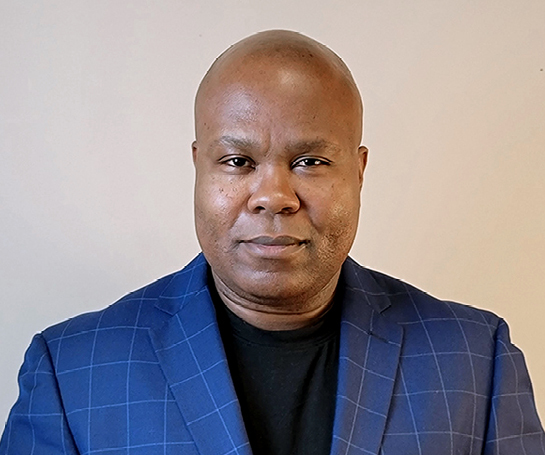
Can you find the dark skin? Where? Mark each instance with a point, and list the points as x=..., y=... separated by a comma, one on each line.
x=279, y=171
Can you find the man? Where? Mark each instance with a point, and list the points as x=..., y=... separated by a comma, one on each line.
x=272, y=340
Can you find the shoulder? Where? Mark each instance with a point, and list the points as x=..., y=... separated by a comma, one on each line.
x=434, y=330
x=408, y=305
x=141, y=309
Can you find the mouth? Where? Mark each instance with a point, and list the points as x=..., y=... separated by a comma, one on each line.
x=280, y=247
x=281, y=240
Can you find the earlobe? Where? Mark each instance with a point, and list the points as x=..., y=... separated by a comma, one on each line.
x=194, y=152
x=362, y=155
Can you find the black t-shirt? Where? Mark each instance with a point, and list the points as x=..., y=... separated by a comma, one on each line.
x=285, y=381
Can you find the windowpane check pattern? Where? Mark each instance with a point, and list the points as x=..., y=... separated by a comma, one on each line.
x=148, y=375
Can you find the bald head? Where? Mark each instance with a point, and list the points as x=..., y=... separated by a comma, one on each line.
x=279, y=170
x=285, y=58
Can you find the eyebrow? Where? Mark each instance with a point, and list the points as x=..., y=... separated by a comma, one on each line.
x=297, y=147
x=314, y=145
x=236, y=142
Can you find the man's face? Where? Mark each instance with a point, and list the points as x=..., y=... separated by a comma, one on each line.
x=278, y=180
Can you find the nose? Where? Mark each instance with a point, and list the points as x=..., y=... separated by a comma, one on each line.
x=273, y=192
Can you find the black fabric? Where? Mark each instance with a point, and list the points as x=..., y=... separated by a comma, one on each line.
x=285, y=381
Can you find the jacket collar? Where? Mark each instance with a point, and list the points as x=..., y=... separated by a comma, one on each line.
x=369, y=353
x=191, y=354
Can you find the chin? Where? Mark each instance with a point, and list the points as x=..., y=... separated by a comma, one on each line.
x=278, y=288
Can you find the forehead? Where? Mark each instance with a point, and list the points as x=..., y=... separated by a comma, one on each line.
x=281, y=93
x=273, y=70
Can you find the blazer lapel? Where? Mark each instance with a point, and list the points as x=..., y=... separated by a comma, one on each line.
x=368, y=359
x=190, y=352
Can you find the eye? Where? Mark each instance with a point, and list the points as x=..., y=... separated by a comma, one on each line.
x=237, y=161
x=310, y=162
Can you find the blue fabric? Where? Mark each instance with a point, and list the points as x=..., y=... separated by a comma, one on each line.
x=148, y=375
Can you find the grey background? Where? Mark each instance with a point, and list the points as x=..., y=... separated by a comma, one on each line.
x=96, y=126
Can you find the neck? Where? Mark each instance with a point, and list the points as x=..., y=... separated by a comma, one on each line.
x=281, y=314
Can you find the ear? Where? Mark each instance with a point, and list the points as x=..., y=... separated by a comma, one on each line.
x=194, y=152
x=362, y=159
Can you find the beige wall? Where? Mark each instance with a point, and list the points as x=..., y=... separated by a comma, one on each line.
x=96, y=126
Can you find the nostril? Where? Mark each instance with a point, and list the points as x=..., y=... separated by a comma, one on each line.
x=275, y=204
x=274, y=192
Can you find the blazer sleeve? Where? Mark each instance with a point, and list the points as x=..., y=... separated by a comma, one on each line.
x=37, y=423
x=514, y=427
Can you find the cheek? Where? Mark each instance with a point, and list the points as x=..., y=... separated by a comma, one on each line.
x=342, y=223
x=337, y=220
x=216, y=209
x=336, y=204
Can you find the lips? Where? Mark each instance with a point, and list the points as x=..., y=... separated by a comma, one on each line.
x=281, y=247
x=281, y=240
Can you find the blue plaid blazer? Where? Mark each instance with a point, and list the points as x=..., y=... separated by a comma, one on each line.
x=148, y=375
